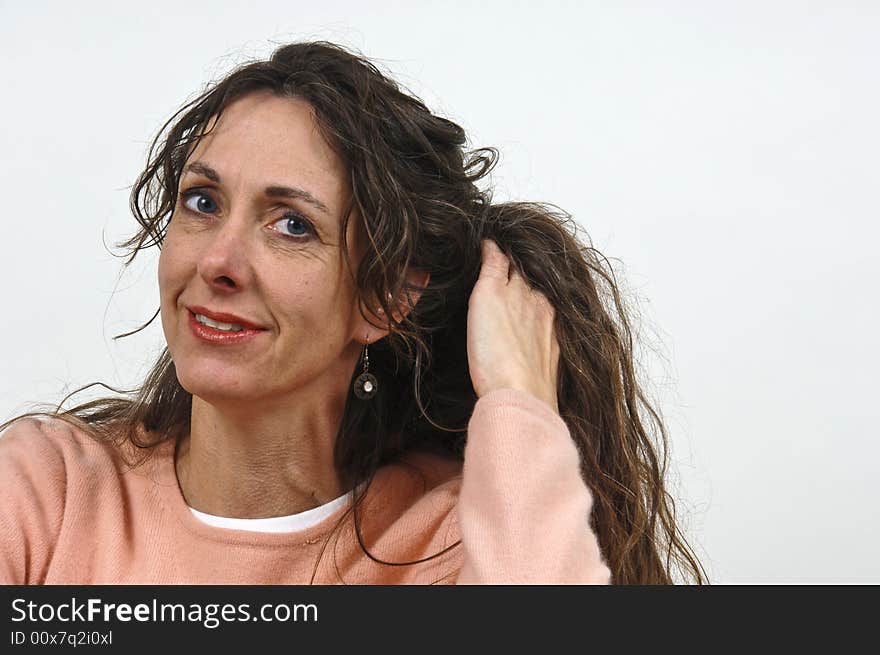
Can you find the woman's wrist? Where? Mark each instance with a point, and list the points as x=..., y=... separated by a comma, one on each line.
x=543, y=394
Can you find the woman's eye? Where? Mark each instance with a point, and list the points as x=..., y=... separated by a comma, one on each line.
x=203, y=204
x=293, y=225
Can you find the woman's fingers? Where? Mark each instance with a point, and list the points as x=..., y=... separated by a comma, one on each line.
x=511, y=340
x=519, y=286
x=496, y=265
x=527, y=295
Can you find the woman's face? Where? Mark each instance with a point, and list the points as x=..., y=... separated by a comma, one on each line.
x=256, y=300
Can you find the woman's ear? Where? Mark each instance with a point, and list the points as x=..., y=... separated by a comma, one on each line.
x=417, y=282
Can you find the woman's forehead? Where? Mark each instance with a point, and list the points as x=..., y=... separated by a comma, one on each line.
x=268, y=145
x=272, y=141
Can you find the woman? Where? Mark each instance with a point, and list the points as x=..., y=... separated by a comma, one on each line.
x=373, y=374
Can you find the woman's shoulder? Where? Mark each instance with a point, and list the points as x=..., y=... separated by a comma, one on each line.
x=48, y=440
x=420, y=485
x=56, y=477
x=51, y=448
x=428, y=472
x=409, y=513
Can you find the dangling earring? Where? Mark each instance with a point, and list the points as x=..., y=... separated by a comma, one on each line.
x=366, y=384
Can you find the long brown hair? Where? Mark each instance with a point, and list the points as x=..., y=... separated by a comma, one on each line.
x=414, y=187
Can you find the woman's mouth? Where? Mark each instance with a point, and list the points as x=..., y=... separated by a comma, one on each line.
x=217, y=325
x=221, y=332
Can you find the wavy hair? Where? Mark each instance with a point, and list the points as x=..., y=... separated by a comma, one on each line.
x=414, y=186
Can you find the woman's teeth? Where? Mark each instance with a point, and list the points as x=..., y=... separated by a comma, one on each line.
x=217, y=325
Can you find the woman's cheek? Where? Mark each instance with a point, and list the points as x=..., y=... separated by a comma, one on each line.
x=173, y=263
x=170, y=287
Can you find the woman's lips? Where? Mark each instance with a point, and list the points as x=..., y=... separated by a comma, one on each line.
x=223, y=317
x=213, y=335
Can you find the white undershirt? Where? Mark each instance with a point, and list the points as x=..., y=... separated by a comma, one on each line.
x=290, y=523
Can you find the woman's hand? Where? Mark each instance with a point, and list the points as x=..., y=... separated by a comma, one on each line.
x=510, y=338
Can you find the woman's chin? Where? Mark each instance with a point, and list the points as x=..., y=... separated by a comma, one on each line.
x=220, y=389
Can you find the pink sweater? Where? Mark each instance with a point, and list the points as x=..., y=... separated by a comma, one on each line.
x=71, y=512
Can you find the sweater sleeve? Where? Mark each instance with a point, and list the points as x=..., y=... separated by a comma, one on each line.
x=32, y=492
x=523, y=509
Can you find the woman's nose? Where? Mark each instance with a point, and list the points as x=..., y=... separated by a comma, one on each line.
x=224, y=264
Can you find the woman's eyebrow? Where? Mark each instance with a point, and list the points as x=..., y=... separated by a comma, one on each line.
x=273, y=191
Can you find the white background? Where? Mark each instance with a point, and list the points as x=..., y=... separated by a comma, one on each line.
x=725, y=153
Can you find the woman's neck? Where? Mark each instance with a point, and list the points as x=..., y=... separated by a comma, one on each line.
x=242, y=464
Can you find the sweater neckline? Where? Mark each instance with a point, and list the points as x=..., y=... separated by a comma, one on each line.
x=175, y=504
